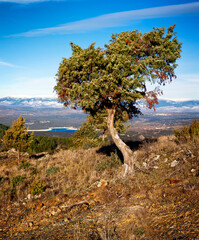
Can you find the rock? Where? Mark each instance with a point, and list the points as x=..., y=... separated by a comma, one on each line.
x=102, y=183
x=155, y=167
x=145, y=165
x=12, y=150
x=174, y=163
x=37, y=196
x=29, y=196
x=55, y=211
x=141, y=137
x=156, y=157
x=16, y=204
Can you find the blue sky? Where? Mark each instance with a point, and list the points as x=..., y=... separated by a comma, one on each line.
x=35, y=36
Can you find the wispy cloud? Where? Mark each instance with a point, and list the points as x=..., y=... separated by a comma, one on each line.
x=5, y=64
x=190, y=78
x=115, y=20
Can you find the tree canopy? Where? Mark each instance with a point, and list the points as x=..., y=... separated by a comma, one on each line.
x=115, y=77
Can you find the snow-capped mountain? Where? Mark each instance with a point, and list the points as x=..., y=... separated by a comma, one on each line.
x=30, y=102
x=178, y=106
x=39, y=102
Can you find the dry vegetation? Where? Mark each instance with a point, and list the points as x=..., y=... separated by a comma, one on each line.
x=80, y=194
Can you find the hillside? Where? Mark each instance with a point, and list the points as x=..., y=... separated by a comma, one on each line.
x=81, y=193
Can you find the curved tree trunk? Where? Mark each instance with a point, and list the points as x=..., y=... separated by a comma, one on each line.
x=127, y=153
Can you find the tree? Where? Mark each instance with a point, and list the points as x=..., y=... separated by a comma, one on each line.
x=17, y=136
x=99, y=121
x=116, y=77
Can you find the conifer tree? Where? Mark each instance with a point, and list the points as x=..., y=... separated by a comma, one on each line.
x=17, y=136
x=116, y=77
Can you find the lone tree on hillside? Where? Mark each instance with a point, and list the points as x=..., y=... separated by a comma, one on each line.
x=116, y=77
x=17, y=136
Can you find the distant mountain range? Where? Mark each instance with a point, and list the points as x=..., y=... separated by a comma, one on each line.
x=39, y=102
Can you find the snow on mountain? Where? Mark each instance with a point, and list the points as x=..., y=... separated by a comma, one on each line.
x=30, y=102
x=39, y=102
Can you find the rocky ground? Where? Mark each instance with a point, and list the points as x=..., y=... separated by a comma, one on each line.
x=96, y=202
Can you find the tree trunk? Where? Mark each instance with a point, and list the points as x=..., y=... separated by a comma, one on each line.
x=129, y=159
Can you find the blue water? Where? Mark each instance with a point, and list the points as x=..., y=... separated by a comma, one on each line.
x=55, y=130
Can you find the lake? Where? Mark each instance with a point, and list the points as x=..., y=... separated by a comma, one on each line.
x=59, y=129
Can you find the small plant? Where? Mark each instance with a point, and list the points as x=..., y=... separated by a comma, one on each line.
x=37, y=187
x=17, y=180
x=139, y=231
x=51, y=170
x=24, y=165
x=112, y=162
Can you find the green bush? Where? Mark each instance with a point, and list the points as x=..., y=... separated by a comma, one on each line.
x=17, y=180
x=139, y=231
x=51, y=170
x=43, y=144
x=86, y=137
x=112, y=162
x=24, y=165
x=37, y=187
x=3, y=128
x=188, y=133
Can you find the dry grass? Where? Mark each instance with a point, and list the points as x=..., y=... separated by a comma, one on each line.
x=121, y=208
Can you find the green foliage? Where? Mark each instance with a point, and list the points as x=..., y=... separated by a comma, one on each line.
x=52, y=170
x=115, y=77
x=139, y=231
x=17, y=136
x=99, y=120
x=2, y=179
x=49, y=144
x=24, y=165
x=43, y=144
x=113, y=162
x=188, y=132
x=37, y=187
x=17, y=180
x=3, y=128
x=86, y=136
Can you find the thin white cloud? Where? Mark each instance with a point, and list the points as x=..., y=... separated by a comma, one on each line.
x=5, y=64
x=190, y=78
x=115, y=19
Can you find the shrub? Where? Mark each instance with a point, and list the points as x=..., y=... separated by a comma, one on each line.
x=3, y=128
x=188, y=132
x=112, y=162
x=43, y=144
x=139, y=231
x=17, y=180
x=86, y=137
x=37, y=187
x=24, y=165
x=51, y=170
